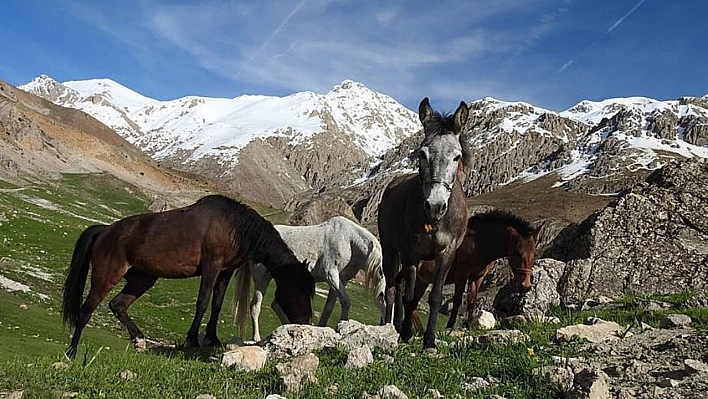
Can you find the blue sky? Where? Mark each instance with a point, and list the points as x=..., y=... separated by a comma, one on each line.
x=552, y=53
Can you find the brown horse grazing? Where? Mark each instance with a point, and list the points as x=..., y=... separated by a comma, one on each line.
x=211, y=238
x=423, y=216
x=490, y=236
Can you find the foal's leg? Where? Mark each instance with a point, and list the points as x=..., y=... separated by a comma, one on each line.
x=137, y=283
x=472, y=291
x=456, y=301
x=206, y=287
x=217, y=300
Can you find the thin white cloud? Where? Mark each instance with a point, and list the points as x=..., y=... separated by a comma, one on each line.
x=270, y=38
x=603, y=35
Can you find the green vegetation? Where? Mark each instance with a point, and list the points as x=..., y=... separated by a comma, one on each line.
x=38, y=227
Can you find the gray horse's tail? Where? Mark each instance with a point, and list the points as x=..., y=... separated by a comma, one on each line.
x=241, y=295
x=375, y=280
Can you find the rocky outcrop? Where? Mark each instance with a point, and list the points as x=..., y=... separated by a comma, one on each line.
x=316, y=211
x=653, y=240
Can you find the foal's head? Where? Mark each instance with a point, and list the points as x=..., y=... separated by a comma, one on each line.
x=441, y=155
x=522, y=253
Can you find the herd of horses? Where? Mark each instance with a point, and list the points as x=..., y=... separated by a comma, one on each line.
x=425, y=237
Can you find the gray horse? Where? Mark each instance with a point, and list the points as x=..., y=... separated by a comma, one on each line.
x=423, y=216
x=335, y=251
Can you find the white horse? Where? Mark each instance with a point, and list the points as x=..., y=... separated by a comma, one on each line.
x=335, y=251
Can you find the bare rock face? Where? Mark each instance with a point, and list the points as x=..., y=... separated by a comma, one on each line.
x=316, y=211
x=654, y=240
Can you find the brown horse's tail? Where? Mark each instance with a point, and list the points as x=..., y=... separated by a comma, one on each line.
x=77, y=274
x=243, y=290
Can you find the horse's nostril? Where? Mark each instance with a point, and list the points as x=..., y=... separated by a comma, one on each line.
x=427, y=206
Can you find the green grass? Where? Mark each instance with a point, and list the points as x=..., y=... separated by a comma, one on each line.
x=38, y=227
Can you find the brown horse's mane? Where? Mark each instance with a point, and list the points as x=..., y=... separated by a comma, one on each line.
x=264, y=244
x=444, y=123
x=502, y=217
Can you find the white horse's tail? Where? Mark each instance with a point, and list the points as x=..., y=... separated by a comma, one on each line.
x=374, y=276
x=243, y=291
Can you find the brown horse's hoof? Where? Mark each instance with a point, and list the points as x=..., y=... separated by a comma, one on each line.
x=212, y=341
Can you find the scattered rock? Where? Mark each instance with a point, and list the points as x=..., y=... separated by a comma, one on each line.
x=559, y=375
x=503, y=337
x=59, y=366
x=475, y=384
x=391, y=392
x=434, y=394
x=666, y=382
x=302, y=367
x=387, y=358
x=23, y=306
x=12, y=395
x=589, y=384
x=245, y=358
x=332, y=389
x=355, y=335
x=275, y=396
x=296, y=339
x=126, y=375
x=675, y=320
x=205, y=396
x=599, y=332
x=360, y=357
x=695, y=366
x=483, y=320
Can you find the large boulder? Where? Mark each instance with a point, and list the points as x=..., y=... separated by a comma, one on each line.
x=653, y=240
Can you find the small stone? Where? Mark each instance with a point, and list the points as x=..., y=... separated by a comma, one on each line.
x=475, y=384
x=695, y=366
x=205, y=396
x=387, y=358
x=604, y=299
x=23, y=306
x=391, y=392
x=332, y=389
x=358, y=358
x=126, y=375
x=675, y=320
x=12, y=395
x=434, y=394
x=59, y=366
x=275, y=396
x=667, y=383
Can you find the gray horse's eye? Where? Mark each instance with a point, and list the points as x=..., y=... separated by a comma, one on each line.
x=457, y=158
x=422, y=155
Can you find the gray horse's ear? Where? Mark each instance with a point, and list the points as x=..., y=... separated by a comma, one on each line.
x=461, y=116
x=425, y=112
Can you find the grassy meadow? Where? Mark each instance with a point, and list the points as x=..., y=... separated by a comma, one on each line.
x=39, y=224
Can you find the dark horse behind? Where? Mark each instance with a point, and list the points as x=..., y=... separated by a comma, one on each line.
x=210, y=238
x=490, y=236
x=422, y=217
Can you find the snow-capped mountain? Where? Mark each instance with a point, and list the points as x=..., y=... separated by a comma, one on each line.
x=221, y=127
x=354, y=137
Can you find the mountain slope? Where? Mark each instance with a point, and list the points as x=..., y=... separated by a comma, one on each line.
x=41, y=140
x=209, y=135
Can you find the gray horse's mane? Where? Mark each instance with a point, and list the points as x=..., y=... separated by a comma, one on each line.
x=444, y=123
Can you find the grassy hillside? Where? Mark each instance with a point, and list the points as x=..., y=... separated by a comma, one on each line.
x=38, y=227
